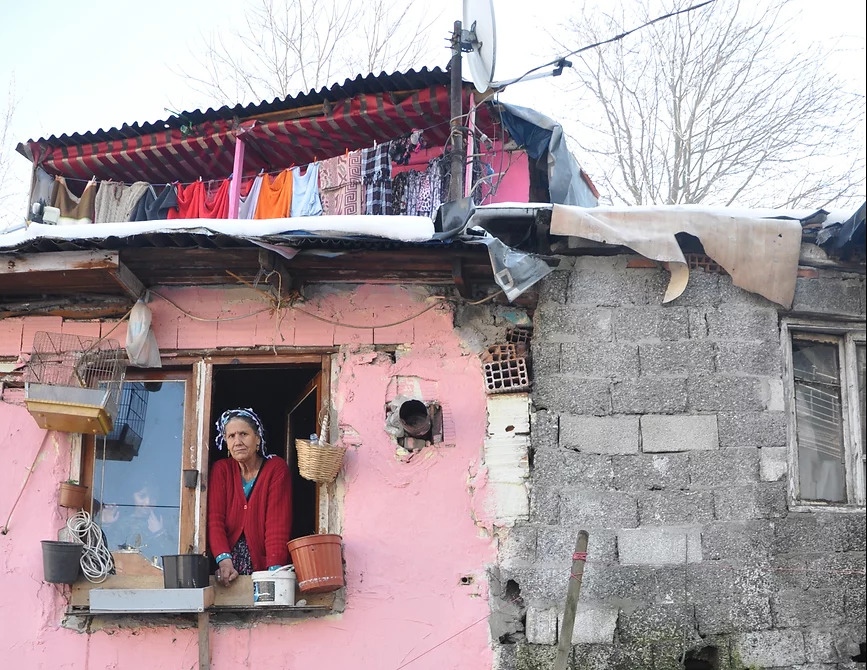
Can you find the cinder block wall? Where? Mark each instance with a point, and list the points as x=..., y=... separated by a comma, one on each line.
x=661, y=430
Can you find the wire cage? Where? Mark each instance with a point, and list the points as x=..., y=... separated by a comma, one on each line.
x=72, y=383
x=124, y=440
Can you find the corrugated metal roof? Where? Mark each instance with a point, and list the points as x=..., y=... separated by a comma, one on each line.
x=381, y=83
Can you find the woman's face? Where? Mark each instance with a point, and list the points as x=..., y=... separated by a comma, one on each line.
x=241, y=439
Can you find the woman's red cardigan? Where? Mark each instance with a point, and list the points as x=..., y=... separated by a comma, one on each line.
x=265, y=519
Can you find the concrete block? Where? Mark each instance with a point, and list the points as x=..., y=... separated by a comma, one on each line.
x=752, y=429
x=594, y=623
x=723, y=467
x=698, y=325
x=517, y=545
x=744, y=325
x=796, y=608
x=552, y=289
x=773, y=463
x=650, y=472
x=678, y=433
x=555, y=544
x=599, y=434
x=755, y=501
x=567, y=468
x=600, y=359
x=745, y=612
x=771, y=648
x=575, y=395
x=541, y=627
x=726, y=393
x=509, y=502
x=650, y=324
x=616, y=284
x=660, y=508
x=608, y=509
x=544, y=506
x=831, y=645
x=555, y=323
x=837, y=570
x=775, y=398
x=546, y=358
x=659, y=546
x=644, y=395
x=731, y=295
x=754, y=358
x=677, y=358
x=732, y=540
x=830, y=295
x=545, y=430
x=702, y=289
x=539, y=584
x=653, y=623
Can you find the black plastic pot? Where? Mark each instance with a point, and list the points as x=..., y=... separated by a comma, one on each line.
x=185, y=571
x=61, y=561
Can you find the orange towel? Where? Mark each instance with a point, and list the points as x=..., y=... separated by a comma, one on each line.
x=275, y=196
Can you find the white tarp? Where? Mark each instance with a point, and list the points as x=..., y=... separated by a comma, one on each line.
x=761, y=254
x=401, y=228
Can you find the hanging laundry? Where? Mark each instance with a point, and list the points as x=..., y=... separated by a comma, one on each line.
x=305, y=192
x=115, y=201
x=189, y=196
x=43, y=187
x=203, y=201
x=275, y=196
x=74, y=209
x=153, y=207
x=376, y=177
x=247, y=206
x=340, y=187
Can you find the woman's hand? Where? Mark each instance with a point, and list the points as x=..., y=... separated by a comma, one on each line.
x=226, y=573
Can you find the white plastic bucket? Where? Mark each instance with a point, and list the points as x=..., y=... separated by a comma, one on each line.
x=274, y=587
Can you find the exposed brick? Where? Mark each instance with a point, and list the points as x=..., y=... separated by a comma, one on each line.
x=727, y=467
x=650, y=472
x=641, y=262
x=678, y=433
x=676, y=358
x=604, y=359
x=643, y=395
x=810, y=273
x=599, y=435
x=657, y=508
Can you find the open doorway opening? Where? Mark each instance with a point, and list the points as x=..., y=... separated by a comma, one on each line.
x=282, y=398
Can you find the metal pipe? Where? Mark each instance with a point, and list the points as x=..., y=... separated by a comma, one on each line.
x=456, y=183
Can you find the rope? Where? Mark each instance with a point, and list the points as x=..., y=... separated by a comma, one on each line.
x=96, y=560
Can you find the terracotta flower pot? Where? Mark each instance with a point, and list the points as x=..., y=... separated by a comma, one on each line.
x=72, y=495
x=318, y=561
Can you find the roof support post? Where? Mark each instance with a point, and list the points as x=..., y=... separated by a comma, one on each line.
x=237, y=173
x=456, y=183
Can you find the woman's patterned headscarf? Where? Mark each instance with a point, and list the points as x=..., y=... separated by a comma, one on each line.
x=240, y=413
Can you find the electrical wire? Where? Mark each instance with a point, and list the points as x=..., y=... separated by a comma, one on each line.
x=96, y=560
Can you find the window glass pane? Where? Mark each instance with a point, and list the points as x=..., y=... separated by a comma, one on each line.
x=137, y=470
x=819, y=421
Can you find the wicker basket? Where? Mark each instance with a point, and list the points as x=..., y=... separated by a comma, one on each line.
x=319, y=461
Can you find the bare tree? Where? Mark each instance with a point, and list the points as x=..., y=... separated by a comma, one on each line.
x=6, y=146
x=287, y=46
x=714, y=106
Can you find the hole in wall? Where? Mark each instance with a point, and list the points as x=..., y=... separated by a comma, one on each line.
x=466, y=580
x=509, y=429
x=706, y=658
x=862, y=654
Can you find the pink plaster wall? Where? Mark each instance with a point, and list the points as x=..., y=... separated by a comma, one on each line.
x=408, y=527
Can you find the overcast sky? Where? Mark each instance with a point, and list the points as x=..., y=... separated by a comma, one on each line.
x=76, y=66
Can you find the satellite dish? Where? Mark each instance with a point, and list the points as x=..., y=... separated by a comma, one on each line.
x=479, y=41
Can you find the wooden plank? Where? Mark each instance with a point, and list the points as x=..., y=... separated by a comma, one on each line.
x=59, y=261
x=564, y=644
x=203, y=622
x=130, y=284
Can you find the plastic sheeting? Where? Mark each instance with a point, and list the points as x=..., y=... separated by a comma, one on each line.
x=141, y=343
x=536, y=133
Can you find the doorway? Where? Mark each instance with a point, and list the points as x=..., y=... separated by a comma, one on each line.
x=273, y=391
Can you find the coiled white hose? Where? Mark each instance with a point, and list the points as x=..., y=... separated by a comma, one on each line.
x=96, y=560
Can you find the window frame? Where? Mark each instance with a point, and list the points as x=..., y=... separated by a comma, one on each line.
x=198, y=374
x=847, y=336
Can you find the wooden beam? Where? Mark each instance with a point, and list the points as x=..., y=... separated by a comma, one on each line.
x=204, y=625
x=73, y=307
x=131, y=284
x=58, y=261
